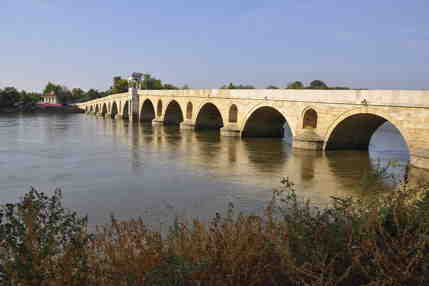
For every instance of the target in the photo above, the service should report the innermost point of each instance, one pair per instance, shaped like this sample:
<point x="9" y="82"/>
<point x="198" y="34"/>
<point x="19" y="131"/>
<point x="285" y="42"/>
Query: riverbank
<point x="41" y="108"/>
<point x="381" y="241"/>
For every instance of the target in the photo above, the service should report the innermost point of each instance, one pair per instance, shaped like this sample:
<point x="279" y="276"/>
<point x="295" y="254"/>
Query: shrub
<point x="42" y="243"/>
<point x="381" y="240"/>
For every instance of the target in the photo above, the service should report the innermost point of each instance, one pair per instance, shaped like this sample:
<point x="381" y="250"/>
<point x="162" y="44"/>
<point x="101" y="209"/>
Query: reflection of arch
<point x="159" y="108"/>
<point x="267" y="154"/>
<point x="233" y="114"/>
<point x="189" y="108"/>
<point x="173" y="113"/>
<point x="104" y="109"/>
<point x="353" y="130"/>
<point x="265" y="121"/>
<point x="114" y="109"/>
<point x="125" y="114"/>
<point x="309" y="119"/>
<point x="147" y="113"/>
<point x="209" y="117"/>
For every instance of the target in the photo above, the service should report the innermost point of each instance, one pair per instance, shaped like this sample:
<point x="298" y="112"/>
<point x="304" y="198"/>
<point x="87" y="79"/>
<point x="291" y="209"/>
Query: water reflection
<point x="128" y="168"/>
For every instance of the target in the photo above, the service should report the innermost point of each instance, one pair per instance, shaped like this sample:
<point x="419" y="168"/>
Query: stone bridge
<point x="317" y="119"/>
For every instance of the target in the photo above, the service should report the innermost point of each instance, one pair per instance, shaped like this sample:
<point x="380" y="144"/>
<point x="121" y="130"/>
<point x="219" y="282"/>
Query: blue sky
<point x="205" y="44"/>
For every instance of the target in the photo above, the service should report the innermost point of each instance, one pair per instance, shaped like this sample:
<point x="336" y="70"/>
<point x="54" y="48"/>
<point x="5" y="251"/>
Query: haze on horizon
<point x="205" y="44"/>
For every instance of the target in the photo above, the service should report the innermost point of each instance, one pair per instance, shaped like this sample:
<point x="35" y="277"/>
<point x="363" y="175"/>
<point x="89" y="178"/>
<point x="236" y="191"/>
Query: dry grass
<point x="382" y="241"/>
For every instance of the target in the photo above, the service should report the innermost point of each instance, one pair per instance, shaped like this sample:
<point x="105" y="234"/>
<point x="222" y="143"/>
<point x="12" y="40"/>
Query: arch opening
<point x="189" y="109"/>
<point x="233" y="114"/>
<point x="104" y="109"/>
<point x="147" y="113"/>
<point x="310" y="119"/>
<point x="125" y="113"/>
<point x="159" y="108"/>
<point x="114" y="110"/>
<point x="266" y="122"/>
<point x="173" y="114"/>
<point x="356" y="131"/>
<point x="209" y="117"/>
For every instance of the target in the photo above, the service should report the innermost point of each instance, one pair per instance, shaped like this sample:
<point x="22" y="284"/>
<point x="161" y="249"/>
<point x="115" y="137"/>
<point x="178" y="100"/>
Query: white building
<point x="49" y="98"/>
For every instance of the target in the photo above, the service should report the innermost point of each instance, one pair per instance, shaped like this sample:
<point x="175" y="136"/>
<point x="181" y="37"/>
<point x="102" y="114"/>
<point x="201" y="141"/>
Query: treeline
<point x="10" y="97"/>
<point x="119" y="85"/>
<point x="315" y="84"/>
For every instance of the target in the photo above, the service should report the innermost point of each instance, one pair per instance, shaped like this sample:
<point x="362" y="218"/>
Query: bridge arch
<point x="209" y="117"/>
<point x="97" y="109"/>
<point x="309" y="118"/>
<point x="125" y="109"/>
<point x="91" y="108"/>
<point x="189" y="110"/>
<point x="233" y="114"/>
<point x="104" y="109"/>
<point x="173" y="113"/>
<point x="115" y="110"/>
<point x="265" y="121"/>
<point x="147" y="112"/>
<point x="353" y="130"/>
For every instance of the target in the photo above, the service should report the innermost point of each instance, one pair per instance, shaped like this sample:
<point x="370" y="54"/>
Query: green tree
<point x="9" y="96"/>
<point x="150" y="82"/>
<point x="272" y="87"/>
<point x="120" y="85"/>
<point x="52" y="88"/>
<point x="318" y="84"/>
<point x="77" y="94"/>
<point x="169" y="86"/>
<point x="93" y="94"/>
<point x="241" y="86"/>
<point x="295" y="85"/>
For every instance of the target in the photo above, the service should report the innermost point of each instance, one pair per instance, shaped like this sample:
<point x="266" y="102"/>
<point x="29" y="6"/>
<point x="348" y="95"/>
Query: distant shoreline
<point x="42" y="108"/>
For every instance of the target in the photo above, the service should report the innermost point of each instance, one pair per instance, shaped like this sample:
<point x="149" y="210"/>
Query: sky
<point x="375" y="44"/>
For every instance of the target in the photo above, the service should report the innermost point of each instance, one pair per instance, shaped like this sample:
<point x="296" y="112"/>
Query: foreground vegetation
<point x="379" y="241"/>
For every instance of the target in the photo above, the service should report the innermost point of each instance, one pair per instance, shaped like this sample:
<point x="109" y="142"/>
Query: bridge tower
<point x="134" y="83"/>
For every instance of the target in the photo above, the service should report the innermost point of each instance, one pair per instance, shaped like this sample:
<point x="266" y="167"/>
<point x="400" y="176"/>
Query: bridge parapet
<point x="407" y="98"/>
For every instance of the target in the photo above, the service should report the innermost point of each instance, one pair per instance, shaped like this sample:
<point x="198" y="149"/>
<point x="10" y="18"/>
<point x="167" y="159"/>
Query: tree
<point x="150" y="82"/>
<point x="52" y="88"/>
<point x="272" y="87"/>
<point x="169" y="86"/>
<point x="295" y="85"/>
<point x="241" y="86"/>
<point x="77" y="94"/>
<point x="8" y="97"/>
<point x="318" y="84"/>
<point x="93" y="94"/>
<point x="120" y="85"/>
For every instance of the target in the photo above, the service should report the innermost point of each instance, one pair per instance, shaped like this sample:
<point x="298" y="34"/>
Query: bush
<point x="42" y="243"/>
<point x="381" y="240"/>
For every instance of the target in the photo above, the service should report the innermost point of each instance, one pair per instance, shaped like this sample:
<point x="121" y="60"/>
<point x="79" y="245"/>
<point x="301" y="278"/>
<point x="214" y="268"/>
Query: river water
<point x="112" y="167"/>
